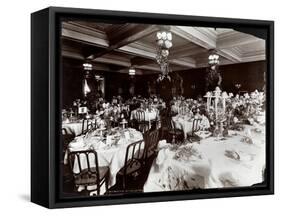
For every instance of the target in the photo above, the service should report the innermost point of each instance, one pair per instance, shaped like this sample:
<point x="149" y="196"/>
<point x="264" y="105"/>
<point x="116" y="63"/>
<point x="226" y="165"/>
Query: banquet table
<point x="73" y="128"/>
<point x="111" y="150"/>
<point x="234" y="161"/>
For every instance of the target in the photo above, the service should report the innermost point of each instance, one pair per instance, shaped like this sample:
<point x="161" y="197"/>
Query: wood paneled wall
<point x="249" y="75"/>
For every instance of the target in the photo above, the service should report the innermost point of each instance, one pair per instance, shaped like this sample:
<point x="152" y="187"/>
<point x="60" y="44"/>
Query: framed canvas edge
<point x="155" y="197"/>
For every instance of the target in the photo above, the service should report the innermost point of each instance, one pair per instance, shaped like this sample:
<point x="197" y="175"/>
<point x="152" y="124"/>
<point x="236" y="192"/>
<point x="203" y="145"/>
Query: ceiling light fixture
<point x="164" y="42"/>
<point x="132" y="71"/>
<point x="87" y="66"/>
<point x="213" y="58"/>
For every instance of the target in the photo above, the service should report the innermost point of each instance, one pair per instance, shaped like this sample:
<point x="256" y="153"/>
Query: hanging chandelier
<point x="164" y="42"/>
<point x="87" y="66"/>
<point x="132" y="71"/>
<point x="213" y="77"/>
<point x="213" y="58"/>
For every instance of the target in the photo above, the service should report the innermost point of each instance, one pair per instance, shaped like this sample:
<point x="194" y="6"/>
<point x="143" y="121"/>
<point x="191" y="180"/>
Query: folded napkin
<point x="163" y="144"/>
<point x="257" y="130"/>
<point x="162" y="156"/>
<point x="232" y="154"/>
<point x="98" y="145"/>
<point x="77" y="143"/>
<point x="247" y="140"/>
<point x="122" y="142"/>
<point x="187" y="153"/>
<point x="260" y="119"/>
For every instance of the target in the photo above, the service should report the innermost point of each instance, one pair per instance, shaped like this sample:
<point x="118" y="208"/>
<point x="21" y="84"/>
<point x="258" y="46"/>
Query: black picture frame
<point x="45" y="105"/>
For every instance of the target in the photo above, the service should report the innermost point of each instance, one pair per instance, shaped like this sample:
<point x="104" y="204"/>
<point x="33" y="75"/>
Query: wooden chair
<point x="66" y="139"/>
<point x="133" y="165"/>
<point x="192" y="137"/>
<point x="142" y="125"/>
<point x="87" y="125"/>
<point x="151" y="139"/>
<point x="163" y="118"/>
<point x="183" y="110"/>
<point x="140" y="115"/>
<point x="168" y="127"/>
<point x="89" y="175"/>
<point x="177" y="134"/>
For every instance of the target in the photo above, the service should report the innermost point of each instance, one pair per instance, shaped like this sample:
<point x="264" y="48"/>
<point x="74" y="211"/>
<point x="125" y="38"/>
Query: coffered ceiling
<point x="116" y="47"/>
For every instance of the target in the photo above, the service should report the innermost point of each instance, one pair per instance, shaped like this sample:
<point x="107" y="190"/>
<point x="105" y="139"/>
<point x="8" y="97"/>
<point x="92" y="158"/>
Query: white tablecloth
<point x="74" y="128"/>
<point x="108" y="155"/>
<point x="183" y="123"/>
<point x="210" y="166"/>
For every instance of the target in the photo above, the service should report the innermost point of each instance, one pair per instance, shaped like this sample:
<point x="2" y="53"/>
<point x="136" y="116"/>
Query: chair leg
<point x="106" y="181"/>
<point x="124" y="183"/>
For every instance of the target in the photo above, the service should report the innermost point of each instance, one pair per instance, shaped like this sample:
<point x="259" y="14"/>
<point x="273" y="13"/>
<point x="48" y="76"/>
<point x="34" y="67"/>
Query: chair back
<point x="196" y="125"/>
<point x="66" y="138"/>
<point x="172" y="125"/>
<point x="87" y="125"/>
<point x="166" y="122"/>
<point x="140" y="115"/>
<point x="183" y="110"/>
<point x="89" y="168"/>
<point x="151" y="139"/>
<point x="134" y="155"/>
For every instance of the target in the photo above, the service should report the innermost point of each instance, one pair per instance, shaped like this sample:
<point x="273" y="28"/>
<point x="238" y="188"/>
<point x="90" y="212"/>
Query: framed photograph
<point x="138" y="107"/>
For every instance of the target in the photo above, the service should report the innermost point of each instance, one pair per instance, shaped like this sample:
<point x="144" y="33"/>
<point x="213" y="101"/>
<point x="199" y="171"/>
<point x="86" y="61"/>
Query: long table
<point x="212" y="163"/>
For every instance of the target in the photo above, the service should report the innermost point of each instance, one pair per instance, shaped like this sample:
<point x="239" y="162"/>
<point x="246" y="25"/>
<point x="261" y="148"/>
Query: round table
<point x="109" y="154"/>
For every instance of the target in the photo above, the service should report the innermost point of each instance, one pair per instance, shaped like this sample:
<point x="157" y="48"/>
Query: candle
<point x="224" y="96"/>
<point x="216" y="108"/>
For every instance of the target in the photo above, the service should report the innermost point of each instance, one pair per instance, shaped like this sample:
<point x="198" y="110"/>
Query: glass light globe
<point x="165" y="52"/>
<point x="169" y="36"/>
<point x="159" y="35"/>
<point x="164" y="35"/>
<point x="160" y="42"/>
<point x="170" y="44"/>
<point x="167" y="44"/>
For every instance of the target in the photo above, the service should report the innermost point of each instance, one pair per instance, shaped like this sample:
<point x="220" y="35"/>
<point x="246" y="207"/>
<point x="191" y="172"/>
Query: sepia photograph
<point x="160" y="108"/>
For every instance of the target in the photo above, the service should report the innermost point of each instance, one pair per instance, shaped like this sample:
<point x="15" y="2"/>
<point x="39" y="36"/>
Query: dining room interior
<point x="153" y="108"/>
